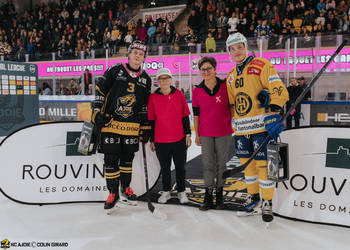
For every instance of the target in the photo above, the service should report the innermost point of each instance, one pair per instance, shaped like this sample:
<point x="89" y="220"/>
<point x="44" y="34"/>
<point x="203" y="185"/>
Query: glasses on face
<point x="206" y="69"/>
<point x="163" y="78"/>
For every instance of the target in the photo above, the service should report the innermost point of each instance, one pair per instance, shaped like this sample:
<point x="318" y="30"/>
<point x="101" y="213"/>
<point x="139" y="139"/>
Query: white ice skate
<point x="128" y="197"/>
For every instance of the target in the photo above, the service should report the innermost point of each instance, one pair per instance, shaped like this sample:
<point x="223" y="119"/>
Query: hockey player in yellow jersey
<point x="257" y="96"/>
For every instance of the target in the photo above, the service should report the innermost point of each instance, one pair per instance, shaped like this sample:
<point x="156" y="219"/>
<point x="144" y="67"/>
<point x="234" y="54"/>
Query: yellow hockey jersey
<point x="244" y="83"/>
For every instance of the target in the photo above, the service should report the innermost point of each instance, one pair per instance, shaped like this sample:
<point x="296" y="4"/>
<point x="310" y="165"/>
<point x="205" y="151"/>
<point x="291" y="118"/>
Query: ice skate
<point x="266" y="210"/>
<point x="251" y="207"/>
<point x="128" y="197"/>
<point x="182" y="197"/>
<point x="111" y="204"/>
<point x="164" y="197"/>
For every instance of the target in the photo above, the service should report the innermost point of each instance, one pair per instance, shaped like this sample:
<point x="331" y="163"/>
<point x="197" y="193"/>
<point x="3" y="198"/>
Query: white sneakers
<point x="182" y="197"/>
<point x="165" y="196"/>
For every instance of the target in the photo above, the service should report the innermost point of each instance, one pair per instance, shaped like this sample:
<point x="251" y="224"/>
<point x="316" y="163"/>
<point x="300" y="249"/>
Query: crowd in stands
<point x="69" y="26"/>
<point x="271" y="21"/>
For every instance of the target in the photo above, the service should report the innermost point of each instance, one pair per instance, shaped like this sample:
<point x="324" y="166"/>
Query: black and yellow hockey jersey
<point x="244" y="83"/>
<point x="123" y="94"/>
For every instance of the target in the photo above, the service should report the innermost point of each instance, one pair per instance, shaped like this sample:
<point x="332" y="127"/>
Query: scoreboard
<point x="19" y="99"/>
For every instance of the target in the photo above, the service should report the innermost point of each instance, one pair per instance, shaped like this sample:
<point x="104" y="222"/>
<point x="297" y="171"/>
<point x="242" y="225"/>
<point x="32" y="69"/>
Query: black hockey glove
<point x="100" y="119"/>
<point x="145" y="133"/>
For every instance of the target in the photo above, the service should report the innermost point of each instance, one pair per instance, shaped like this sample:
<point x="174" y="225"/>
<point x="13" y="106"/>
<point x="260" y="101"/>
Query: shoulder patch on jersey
<point x="257" y="62"/>
<point x="253" y="71"/>
<point x="274" y="78"/>
<point x="229" y="79"/>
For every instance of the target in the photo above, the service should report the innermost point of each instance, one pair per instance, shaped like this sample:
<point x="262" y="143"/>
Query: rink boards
<point x="41" y="165"/>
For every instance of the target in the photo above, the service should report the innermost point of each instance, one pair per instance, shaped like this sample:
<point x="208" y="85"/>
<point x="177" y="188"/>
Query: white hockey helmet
<point x="234" y="39"/>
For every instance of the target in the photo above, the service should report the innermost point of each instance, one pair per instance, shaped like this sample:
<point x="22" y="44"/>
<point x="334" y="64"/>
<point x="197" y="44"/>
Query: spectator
<point x="310" y="18"/>
<point x="221" y="22"/>
<point x="344" y="25"/>
<point x="330" y="5"/>
<point x="47" y="90"/>
<point x="321" y="6"/>
<point x="176" y="43"/>
<point x="262" y="33"/>
<point x="210" y="43"/>
<point x="267" y="13"/>
<point x="211" y="7"/>
<point x="169" y="31"/>
<point x="132" y="28"/>
<point x="303" y="84"/>
<point x="193" y="20"/>
<point x="212" y="24"/>
<point x="86" y="79"/>
<point x="115" y="37"/>
<point x="128" y="39"/>
<point x="232" y="23"/>
<point x="151" y="33"/>
<point x="242" y="23"/>
<point x="142" y="32"/>
<point x="294" y="91"/>
<point x="159" y="33"/>
<point x="220" y="39"/>
<point x="63" y="89"/>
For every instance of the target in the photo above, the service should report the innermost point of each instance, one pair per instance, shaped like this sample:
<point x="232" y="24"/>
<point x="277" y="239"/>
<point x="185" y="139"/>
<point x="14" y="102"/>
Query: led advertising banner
<point x="318" y="189"/>
<point x="330" y="114"/>
<point x="40" y="164"/>
<point x="19" y="100"/>
<point x="306" y="61"/>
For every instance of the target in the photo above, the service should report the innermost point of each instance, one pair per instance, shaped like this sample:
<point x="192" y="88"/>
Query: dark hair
<point x="207" y="59"/>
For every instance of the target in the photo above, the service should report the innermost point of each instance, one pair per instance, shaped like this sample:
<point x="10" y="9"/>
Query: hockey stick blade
<point x="237" y="169"/>
<point x="158" y="214"/>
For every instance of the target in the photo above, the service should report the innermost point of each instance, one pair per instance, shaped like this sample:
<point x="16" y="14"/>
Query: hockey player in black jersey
<point x="120" y="109"/>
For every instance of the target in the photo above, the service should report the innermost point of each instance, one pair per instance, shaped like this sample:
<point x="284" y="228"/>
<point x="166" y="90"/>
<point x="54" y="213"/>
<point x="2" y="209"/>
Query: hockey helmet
<point x="234" y="39"/>
<point x="137" y="44"/>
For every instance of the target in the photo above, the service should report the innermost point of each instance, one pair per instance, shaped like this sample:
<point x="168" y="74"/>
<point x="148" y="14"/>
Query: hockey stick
<point x="238" y="169"/>
<point x="151" y="208"/>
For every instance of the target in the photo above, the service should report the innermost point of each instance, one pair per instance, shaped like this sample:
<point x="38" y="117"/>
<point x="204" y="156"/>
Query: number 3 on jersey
<point x="239" y="83"/>
<point x="131" y="88"/>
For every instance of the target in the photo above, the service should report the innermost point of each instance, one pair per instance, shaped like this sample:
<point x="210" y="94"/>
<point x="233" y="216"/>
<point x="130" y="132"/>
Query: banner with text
<point x="44" y="166"/>
<point x="319" y="165"/>
<point x="306" y="61"/>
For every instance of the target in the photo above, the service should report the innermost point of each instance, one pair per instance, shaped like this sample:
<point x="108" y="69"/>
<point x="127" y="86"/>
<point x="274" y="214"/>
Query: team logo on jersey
<point x="277" y="91"/>
<point x="253" y="71"/>
<point x="258" y="63"/>
<point x="243" y="104"/>
<point x="125" y="105"/>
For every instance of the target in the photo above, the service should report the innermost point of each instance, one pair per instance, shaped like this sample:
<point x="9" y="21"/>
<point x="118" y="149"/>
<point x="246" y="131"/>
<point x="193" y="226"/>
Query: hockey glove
<point x="273" y="125"/>
<point x="264" y="98"/>
<point x="145" y="133"/>
<point x="100" y="119"/>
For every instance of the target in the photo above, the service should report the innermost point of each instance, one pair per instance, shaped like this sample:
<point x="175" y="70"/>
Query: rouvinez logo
<point x="338" y="153"/>
<point x="72" y="143"/>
